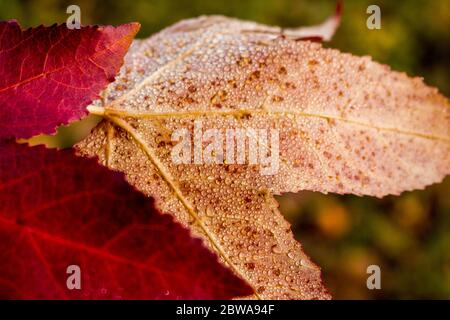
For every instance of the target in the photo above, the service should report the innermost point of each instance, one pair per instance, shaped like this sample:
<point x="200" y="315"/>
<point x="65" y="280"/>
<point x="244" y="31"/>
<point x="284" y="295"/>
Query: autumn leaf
<point x="346" y="124"/>
<point x="48" y="75"/>
<point x="58" y="210"/>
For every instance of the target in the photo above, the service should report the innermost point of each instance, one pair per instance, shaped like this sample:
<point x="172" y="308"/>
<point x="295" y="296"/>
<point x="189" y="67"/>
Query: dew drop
<point x="304" y="263"/>
<point x="276" y="249"/>
<point x="209" y="211"/>
<point x="291" y="254"/>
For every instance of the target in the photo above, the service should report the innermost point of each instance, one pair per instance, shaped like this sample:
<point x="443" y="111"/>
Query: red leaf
<point x="48" y="75"/>
<point x="58" y="210"/>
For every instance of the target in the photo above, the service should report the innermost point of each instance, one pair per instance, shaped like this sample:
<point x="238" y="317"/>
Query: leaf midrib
<point x="166" y="176"/>
<point x="107" y="112"/>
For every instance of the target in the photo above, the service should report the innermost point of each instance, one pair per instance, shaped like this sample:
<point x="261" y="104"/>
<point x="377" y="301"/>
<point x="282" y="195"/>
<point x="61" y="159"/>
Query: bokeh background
<point x="407" y="236"/>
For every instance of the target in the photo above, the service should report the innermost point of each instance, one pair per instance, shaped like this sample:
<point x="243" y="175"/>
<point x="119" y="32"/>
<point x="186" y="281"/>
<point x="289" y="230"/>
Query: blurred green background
<point x="407" y="236"/>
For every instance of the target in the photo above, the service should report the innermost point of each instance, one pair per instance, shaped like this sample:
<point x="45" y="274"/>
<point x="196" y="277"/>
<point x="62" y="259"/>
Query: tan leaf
<point x="346" y="124"/>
